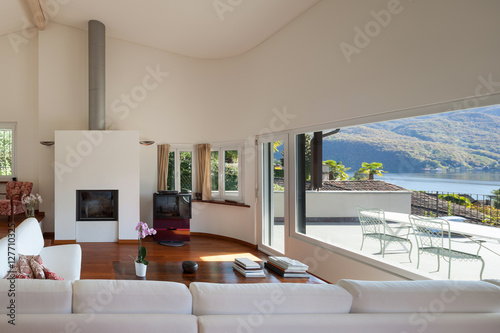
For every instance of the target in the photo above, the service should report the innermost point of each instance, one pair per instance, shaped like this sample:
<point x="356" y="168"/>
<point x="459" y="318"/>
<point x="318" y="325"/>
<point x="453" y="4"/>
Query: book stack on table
<point x="287" y="267"/>
<point x="248" y="268"/>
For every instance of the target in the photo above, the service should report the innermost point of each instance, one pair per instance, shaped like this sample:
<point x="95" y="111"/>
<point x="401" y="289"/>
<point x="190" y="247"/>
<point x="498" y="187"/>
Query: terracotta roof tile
<point x="360" y="185"/>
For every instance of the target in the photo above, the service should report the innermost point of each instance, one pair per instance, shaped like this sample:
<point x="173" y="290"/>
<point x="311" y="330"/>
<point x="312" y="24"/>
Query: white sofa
<point x="64" y="260"/>
<point x="89" y="306"/>
<point x="350" y="306"/>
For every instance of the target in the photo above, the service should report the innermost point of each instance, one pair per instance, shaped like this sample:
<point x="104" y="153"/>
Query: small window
<point x="7" y="138"/>
<point x="231" y="179"/>
<point x="214" y="170"/>
<point x="180" y="169"/>
<point x="186" y="171"/>
<point x="171" y="171"/>
<point x="226" y="170"/>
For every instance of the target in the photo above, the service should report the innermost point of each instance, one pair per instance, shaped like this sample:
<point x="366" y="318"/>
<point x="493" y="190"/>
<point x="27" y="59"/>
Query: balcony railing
<point x="474" y="208"/>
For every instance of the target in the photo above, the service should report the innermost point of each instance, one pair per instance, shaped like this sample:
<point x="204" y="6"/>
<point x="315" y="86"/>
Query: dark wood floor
<point x="214" y="256"/>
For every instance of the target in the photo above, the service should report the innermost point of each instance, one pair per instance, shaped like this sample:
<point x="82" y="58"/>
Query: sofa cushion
<point x="35" y="296"/>
<point x="36" y="264"/>
<point x="276" y="298"/>
<point x="4" y="257"/>
<point x="24" y="264"/>
<point x="352" y="323"/>
<point x="29" y="237"/>
<point x="130" y="296"/>
<point x="14" y="273"/>
<point x="422" y="296"/>
<point x="64" y="260"/>
<point x="106" y="323"/>
<point x="49" y="275"/>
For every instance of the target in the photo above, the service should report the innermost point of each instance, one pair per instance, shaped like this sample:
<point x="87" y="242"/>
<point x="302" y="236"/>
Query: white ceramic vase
<point x="140" y="269"/>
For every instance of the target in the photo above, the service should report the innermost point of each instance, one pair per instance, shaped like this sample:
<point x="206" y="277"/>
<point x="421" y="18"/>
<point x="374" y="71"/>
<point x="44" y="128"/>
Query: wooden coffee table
<point x="208" y="271"/>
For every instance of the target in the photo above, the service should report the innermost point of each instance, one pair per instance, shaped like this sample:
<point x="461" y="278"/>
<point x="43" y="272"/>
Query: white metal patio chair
<point x="433" y="236"/>
<point x="373" y="225"/>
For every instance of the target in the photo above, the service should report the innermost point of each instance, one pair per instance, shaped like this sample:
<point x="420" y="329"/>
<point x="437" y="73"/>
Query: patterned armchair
<point x="12" y="204"/>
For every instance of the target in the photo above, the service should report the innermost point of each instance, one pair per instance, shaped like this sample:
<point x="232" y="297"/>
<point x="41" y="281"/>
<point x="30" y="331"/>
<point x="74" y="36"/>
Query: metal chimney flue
<point x="97" y="77"/>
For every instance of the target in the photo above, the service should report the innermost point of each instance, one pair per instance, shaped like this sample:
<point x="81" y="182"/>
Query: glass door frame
<point x="270" y="138"/>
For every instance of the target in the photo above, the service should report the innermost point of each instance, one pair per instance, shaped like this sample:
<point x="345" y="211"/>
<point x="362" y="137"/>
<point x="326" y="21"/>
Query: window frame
<point x="12" y="126"/>
<point x="221" y="148"/>
<point x="310" y="245"/>
<point x="177" y="149"/>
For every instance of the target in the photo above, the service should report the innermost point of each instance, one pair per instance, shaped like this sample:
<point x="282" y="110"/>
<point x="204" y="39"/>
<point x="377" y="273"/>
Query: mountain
<point x="460" y="139"/>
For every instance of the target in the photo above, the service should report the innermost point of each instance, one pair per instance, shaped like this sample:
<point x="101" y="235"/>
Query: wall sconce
<point x="47" y="143"/>
<point x="146" y="143"/>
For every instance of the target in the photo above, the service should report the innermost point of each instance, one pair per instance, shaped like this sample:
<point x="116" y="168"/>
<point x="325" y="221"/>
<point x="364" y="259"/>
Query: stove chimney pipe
<point x="97" y="77"/>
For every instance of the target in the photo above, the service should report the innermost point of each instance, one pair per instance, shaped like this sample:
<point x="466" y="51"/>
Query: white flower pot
<point x="140" y="269"/>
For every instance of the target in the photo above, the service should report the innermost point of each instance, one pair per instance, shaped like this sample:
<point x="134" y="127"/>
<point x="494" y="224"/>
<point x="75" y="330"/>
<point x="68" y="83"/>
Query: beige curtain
<point x="204" y="175"/>
<point x="163" y="151"/>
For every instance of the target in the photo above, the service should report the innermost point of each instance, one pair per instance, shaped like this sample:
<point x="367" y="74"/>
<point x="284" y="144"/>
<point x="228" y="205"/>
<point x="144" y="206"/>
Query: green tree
<point x="374" y="168"/>
<point x="231" y="170"/>
<point x="171" y="172"/>
<point x="496" y="200"/>
<point x="214" y="170"/>
<point x="337" y="170"/>
<point x="5" y="152"/>
<point x="456" y="199"/>
<point x="359" y="176"/>
<point x="308" y="153"/>
<point x="186" y="171"/>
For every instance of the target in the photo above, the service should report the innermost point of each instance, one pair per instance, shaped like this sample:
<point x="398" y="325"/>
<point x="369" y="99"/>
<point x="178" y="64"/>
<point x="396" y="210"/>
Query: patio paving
<point x="348" y="235"/>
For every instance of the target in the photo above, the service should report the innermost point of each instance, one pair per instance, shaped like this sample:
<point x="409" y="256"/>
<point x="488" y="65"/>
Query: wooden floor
<point x="214" y="256"/>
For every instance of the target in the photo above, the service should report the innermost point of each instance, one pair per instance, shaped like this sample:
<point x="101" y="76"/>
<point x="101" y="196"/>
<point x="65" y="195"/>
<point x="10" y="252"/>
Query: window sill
<point x="237" y="204"/>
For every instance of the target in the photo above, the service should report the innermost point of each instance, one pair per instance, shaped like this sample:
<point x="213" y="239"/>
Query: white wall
<point x="344" y="203"/>
<point x="19" y="103"/>
<point x="430" y="52"/>
<point x="62" y="99"/>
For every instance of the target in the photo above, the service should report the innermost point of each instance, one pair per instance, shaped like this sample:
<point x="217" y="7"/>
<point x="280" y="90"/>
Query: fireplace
<point x="96" y="205"/>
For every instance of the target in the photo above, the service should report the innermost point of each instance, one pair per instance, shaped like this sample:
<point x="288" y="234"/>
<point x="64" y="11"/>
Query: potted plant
<point x="140" y="262"/>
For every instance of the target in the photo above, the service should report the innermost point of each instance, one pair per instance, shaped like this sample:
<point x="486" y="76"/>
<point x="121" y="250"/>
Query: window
<point x="226" y="171"/>
<point x="7" y="151"/>
<point x="180" y="169"/>
<point x="437" y="165"/>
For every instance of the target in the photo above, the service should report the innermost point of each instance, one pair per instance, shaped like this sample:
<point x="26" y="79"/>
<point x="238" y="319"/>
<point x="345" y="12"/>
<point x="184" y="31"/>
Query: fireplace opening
<point x="96" y="205"/>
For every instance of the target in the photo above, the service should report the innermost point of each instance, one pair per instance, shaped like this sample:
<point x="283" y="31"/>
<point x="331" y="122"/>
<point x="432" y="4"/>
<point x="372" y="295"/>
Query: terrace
<point x="338" y="225"/>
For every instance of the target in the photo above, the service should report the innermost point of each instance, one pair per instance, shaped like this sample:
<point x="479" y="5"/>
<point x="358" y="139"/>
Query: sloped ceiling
<point x="207" y="29"/>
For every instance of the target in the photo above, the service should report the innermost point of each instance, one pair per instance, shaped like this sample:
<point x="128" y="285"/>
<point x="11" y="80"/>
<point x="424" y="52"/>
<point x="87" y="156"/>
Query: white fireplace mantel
<point x="96" y="160"/>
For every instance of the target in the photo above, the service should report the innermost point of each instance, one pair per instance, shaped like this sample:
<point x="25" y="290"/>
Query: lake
<point x="460" y="182"/>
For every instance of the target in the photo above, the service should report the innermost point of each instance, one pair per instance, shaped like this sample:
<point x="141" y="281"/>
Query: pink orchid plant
<point x="143" y="231"/>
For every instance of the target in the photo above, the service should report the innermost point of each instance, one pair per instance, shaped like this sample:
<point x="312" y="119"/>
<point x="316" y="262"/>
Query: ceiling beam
<point x="37" y="13"/>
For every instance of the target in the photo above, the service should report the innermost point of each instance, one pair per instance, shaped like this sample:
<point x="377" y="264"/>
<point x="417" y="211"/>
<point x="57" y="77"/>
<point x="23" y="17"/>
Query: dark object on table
<point x="189" y="266"/>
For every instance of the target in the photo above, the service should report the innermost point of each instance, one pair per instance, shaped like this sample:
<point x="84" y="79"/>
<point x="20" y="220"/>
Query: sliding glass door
<point x="273" y="192"/>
